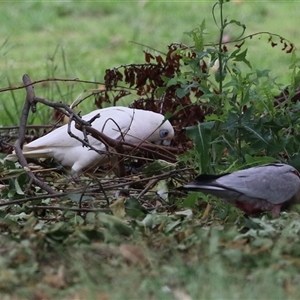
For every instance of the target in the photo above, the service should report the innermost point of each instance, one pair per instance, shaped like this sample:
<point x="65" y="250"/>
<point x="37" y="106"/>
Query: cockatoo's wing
<point x="119" y="123"/>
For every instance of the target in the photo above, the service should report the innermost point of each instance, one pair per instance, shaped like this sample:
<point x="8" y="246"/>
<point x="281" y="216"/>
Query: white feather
<point x="132" y="125"/>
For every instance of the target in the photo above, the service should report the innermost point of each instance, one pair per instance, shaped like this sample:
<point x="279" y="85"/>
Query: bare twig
<point x="29" y="103"/>
<point x="106" y="186"/>
<point x="35" y="207"/>
<point x="6" y="128"/>
<point x="148" y="186"/>
<point x="48" y="80"/>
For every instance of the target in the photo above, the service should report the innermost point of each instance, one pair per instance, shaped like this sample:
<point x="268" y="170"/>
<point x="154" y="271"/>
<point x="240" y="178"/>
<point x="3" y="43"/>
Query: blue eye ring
<point x="163" y="133"/>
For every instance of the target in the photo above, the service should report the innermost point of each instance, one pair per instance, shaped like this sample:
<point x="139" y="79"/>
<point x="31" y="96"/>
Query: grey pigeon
<point x="269" y="187"/>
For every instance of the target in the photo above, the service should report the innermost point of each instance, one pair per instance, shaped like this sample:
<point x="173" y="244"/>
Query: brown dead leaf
<point x="207" y="211"/>
<point x="81" y="295"/>
<point x="40" y="295"/>
<point x="237" y="244"/>
<point x="101" y="87"/>
<point x="289" y="287"/>
<point x="56" y="280"/>
<point x="133" y="255"/>
<point x="294" y="260"/>
<point x="181" y="295"/>
<point x="182" y="235"/>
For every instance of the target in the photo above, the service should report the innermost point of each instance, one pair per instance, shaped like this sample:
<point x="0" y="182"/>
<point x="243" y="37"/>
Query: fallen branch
<point x="29" y="103"/>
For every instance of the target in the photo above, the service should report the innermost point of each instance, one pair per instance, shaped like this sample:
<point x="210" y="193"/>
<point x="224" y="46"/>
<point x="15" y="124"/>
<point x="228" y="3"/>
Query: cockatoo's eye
<point x="163" y="133"/>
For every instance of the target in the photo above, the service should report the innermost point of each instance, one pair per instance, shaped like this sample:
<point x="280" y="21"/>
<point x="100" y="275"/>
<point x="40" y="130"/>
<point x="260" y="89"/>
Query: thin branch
<point x="47" y="80"/>
<point x="29" y="103"/>
<point x="106" y="186"/>
<point x="35" y="207"/>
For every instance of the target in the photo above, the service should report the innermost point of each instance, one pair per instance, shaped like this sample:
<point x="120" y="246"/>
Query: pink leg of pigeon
<point x="251" y="209"/>
<point x="270" y="187"/>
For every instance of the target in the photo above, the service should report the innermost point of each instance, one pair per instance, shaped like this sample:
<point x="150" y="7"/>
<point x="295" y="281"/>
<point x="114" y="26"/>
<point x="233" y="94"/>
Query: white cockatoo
<point x="263" y="188"/>
<point x="119" y="123"/>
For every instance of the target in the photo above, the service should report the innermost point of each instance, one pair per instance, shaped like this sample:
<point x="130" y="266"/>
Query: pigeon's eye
<point x="163" y="133"/>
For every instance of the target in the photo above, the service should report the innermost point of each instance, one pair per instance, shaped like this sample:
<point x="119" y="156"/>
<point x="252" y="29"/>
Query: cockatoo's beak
<point x="165" y="142"/>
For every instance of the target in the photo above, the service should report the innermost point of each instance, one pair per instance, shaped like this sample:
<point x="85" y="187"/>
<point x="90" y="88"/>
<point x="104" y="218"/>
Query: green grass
<point x="82" y="39"/>
<point x="170" y="255"/>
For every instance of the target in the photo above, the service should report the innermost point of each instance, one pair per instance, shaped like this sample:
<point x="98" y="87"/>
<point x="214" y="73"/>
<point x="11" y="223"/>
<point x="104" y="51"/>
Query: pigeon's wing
<point x="208" y="184"/>
<point x="275" y="183"/>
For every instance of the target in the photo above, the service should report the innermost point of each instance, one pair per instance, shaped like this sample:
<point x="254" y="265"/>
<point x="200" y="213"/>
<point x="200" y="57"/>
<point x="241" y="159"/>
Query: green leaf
<point x="241" y="57"/>
<point x="115" y="225"/>
<point x="77" y="197"/>
<point x="118" y="208"/>
<point x="181" y="92"/>
<point x="239" y="24"/>
<point x="220" y="76"/>
<point x="18" y="188"/>
<point x="158" y="167"/>
<point x="134" y="209"/>
<point x="197" y="36"/>
<point x="201" y="135"/>
<point x="258" y="160"/>
<point x="191" y="200"/>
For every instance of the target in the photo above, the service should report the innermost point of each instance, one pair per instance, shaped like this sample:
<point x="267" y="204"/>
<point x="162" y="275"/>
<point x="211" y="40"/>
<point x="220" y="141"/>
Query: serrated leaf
<point x="242" y="58"/>
<point x="181" y="92"/>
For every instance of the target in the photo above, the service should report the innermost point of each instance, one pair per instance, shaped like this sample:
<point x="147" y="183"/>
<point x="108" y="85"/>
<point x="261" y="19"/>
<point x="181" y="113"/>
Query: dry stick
<point x="48" y="80"/>
<point x="121" y="146"/>
<point x="151" y="148"/>
<point x="35" y="198"/>
<point x="161" y="176"/>
<point x="109" y="142"/>
<point x="70" y="208"/>
<point x="105" y="139"/>
<point x="94" y="190"/>
<point x="28" y="127"/>
<point x="29" y="103"/>
<point x="148" y="186"/>
<point x="86" y="187"/>
<point x="59" y="105"/>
